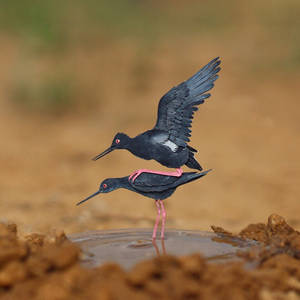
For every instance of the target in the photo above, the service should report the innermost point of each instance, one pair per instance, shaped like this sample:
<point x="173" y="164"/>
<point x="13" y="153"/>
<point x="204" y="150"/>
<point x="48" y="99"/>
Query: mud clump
<point x="276" y="237"/>
<point x="48" y="267"/>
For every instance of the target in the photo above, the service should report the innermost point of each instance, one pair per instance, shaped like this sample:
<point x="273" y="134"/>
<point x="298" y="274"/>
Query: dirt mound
<point x="48" y="267"/>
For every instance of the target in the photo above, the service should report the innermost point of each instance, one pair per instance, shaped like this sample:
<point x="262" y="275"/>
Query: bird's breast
<point x="141" y="147"/>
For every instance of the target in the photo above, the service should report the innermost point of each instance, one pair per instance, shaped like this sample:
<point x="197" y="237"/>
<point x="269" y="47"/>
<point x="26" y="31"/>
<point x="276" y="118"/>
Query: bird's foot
<point x="135" y="174"/>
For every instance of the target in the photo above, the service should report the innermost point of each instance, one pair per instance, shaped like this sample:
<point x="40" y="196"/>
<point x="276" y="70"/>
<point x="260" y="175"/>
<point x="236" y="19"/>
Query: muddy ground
<point x="40" y="266"/>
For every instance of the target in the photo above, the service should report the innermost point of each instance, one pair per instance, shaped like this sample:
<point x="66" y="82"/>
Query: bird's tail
<point x="192" y="162"/>
<point x="191" y="176"/>
<point x="191" y="148"/>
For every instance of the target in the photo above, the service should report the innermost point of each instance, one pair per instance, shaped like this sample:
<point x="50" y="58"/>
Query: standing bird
<point x="155" y="186"/>
<point x="167" y="141"/>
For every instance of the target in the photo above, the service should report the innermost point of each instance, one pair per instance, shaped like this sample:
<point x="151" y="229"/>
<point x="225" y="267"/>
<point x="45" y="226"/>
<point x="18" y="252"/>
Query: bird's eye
<point x="105" y="185"/>
<point x="117" y="141"/>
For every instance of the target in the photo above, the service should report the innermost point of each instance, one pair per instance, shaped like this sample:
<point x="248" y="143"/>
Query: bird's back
<point x="149" y="182"/>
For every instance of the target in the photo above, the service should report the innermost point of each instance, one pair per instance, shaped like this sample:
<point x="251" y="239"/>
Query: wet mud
<point x="40" y="266"/>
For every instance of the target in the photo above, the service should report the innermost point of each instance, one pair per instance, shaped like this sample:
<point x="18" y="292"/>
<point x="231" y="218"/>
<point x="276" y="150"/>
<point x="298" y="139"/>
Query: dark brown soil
<point x="48" y="267"/>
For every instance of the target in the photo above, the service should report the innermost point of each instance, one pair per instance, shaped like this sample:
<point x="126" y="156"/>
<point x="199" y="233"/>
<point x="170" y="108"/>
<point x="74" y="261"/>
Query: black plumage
<point x="167" y="141"/>
<point x="155" y="186"/>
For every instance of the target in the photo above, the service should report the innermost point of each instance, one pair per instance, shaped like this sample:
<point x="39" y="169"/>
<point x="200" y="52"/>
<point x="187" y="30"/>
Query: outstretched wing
<point x="176" y="108"/>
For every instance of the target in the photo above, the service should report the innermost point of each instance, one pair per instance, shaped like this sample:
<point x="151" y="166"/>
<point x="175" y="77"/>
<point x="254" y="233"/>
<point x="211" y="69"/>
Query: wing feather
<point x="176" y="108"/>
<point x="149" y="182"/>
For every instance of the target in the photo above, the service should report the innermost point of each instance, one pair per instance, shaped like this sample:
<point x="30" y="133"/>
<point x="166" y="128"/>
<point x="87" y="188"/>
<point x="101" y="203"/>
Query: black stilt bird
<point x="155" y="186"/>
<point x="167" y="141"/>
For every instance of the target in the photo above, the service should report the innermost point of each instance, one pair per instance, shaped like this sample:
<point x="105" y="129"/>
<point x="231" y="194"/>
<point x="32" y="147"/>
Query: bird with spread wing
<point x="167" y="142"/>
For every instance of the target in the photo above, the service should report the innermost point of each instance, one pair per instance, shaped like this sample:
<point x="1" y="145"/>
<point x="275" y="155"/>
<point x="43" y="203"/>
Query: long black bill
<point x="103" y="153"/>
<point x="89" y="197"/>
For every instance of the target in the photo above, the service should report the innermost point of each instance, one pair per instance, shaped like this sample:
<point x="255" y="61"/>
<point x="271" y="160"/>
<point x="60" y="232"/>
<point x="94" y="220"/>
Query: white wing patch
<point x="171" y="145"/>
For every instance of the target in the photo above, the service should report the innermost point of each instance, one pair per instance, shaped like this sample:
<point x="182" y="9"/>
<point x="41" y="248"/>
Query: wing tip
<point x="217" y="58"/>
<point x="206" y="73"/>
<point x="205" y="172"/>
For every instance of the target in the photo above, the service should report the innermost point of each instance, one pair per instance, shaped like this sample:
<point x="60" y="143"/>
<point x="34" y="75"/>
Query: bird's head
<point x="120" y="141"/>
<point x="106" y="186"/>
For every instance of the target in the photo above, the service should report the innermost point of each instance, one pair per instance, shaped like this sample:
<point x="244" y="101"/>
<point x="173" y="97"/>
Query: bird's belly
<point x="159" y="195"/>
<point x="171" y="159"/>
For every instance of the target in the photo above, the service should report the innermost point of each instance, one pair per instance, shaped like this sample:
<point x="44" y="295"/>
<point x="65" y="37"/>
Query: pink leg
<point x="163" y="222"/>
<point x="157" y="221"/>
<point x="155" y="247"/>
<point x="135" y="174"/>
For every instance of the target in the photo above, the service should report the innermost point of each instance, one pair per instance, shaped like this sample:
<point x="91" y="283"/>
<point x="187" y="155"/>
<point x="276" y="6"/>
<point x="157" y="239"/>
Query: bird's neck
<point x="123" y="182"/>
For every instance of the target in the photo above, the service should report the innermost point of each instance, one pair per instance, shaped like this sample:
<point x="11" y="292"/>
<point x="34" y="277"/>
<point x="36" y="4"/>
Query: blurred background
<point x="74" y="73"/>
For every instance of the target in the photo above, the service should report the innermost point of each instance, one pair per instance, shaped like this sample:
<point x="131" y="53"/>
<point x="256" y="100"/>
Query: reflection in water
<point x="157" y="248"/>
